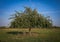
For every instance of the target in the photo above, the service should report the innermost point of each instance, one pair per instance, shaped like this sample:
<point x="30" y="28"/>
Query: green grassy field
<point x="22" y="35"/>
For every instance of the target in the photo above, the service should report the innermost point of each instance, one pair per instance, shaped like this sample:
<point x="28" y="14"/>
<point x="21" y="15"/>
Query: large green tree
<point x="30" y="19"/>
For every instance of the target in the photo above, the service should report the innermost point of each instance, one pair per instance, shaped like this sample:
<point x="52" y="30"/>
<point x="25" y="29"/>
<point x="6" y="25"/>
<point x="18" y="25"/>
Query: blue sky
<point x="45" y="7"/>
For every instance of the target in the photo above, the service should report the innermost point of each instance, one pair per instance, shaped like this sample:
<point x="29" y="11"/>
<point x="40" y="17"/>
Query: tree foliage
<point x="29" y="19"/>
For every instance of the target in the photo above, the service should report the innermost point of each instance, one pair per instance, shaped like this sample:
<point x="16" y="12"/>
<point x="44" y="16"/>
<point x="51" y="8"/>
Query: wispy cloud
<point x="50" y="12"/>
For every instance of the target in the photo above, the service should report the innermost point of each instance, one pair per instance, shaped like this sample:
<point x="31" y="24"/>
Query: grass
<point x="37" y="35"/>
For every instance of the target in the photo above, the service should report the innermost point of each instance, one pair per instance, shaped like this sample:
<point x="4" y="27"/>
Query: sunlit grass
<point x="39" y="35"/>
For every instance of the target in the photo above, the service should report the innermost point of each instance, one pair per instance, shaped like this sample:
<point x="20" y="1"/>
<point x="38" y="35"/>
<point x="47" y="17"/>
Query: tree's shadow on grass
<point x="33" y="34"/>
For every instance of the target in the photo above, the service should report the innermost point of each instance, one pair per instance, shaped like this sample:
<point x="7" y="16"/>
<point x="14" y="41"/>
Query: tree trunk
<point x="30" y="31"/>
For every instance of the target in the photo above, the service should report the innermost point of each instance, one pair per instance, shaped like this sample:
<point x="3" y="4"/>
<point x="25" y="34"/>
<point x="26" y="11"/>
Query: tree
<point x="29" y="19"/>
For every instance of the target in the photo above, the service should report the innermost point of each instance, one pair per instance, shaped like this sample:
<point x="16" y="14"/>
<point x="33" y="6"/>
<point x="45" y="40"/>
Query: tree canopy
<point x="29" y="19"/>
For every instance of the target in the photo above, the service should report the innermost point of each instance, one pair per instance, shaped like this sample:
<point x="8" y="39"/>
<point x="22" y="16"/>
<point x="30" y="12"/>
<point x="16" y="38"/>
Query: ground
<point x="23" y="35"/>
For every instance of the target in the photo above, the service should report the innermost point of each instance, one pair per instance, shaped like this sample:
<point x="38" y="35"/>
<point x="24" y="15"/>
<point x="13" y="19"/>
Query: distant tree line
<point x="55" y="26"/>
<point x="3" y="27"/>
<point x="30" y="18"/>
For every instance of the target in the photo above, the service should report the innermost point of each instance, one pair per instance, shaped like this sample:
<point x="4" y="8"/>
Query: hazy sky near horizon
<point x="46" y="7"/>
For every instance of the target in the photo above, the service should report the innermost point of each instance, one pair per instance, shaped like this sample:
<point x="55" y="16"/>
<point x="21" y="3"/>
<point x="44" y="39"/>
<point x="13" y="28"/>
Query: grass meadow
<point x="37" y="35"/>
